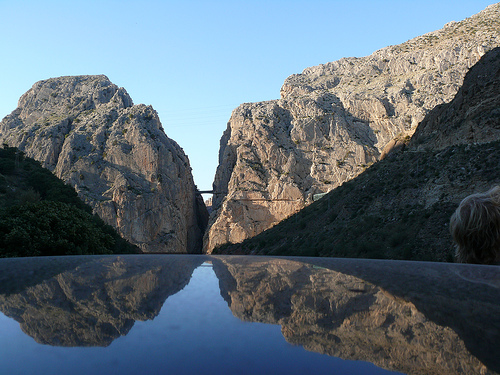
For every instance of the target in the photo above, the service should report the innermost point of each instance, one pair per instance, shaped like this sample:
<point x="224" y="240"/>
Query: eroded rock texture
<point x="400" y="208"/>
<point x="115" y="154"/>
<point x="473" y="116"/>
<point x="332" y="121"/>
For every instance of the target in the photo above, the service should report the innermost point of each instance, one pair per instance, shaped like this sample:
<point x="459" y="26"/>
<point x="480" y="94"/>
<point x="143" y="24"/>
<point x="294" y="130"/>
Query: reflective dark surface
<point x="215" y="314"/>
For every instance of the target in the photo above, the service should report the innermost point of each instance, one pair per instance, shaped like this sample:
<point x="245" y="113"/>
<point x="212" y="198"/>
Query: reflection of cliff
<point x="97" y="301"/>
<point x="342" y="315"/>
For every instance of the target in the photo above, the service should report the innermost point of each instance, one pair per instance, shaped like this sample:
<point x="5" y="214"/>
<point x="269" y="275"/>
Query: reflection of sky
<point x="195" y="333"/>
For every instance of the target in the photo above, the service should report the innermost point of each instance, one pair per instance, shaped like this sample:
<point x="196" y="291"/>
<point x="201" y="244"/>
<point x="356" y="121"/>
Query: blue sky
<point x="195" y="61"/>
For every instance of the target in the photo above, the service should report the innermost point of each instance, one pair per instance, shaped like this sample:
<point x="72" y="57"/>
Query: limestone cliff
<point x="400" y="207"/>
<point x="115" y="154"/>
<point x="472" y="117"/>
<point x="382" y="312"/>
<point x="334" y="120"/>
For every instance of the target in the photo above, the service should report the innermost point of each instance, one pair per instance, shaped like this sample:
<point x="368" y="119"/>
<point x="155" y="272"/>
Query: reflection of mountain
<point x="95" y="301"/>
<point x="342" y="315"/>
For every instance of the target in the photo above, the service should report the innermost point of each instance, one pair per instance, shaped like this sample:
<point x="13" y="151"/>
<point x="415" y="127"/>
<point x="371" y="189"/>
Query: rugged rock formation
<point x="473" y="116"/>
<point x="332" y="121"/>
<point x="382" y="312"/>
<point x="400" y="207"/>
<point x="88" y="132"/>
<point x="95" y="302"/>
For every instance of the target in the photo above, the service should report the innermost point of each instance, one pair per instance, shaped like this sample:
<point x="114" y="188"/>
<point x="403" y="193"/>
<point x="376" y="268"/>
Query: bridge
<point x="208" y="192"/>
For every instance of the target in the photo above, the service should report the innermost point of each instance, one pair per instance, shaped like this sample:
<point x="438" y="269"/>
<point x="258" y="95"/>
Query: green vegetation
<point x="399" y="208"/>
<point x="41" y="215"/>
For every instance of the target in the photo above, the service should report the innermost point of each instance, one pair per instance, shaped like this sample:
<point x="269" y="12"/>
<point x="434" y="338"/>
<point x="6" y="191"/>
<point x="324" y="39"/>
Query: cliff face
<point x="115" y="154"/>
<point x="400" y="207"/>
<point x="332" y="121"/>
<point x="474" y="114"/>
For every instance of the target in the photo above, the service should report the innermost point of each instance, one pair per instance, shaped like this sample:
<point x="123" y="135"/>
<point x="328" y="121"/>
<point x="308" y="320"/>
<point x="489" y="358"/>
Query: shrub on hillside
<point x="41" y="215"/>
<point x="51" y="228"/>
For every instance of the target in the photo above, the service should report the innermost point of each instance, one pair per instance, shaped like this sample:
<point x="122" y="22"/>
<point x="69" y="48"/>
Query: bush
<point x="51" y="228"/>
<point x="41" y="215"/>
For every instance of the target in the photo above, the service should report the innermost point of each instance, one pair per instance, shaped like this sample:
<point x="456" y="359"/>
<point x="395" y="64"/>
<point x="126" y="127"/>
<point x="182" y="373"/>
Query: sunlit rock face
<point x="332" y="121"/>
<point x="473" y="116"/>
<point x="387" y="315"/>
<point x="453" y="153"/>
<point x="95" y="300"/>
<point x="115" y="154"/>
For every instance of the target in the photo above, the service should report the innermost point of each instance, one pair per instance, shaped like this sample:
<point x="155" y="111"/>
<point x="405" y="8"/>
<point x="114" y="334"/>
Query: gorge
<point x="332" y="123"/>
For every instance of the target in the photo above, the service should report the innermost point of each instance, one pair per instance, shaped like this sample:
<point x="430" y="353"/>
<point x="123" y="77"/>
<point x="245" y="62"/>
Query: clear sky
<point x="195" y="61"/>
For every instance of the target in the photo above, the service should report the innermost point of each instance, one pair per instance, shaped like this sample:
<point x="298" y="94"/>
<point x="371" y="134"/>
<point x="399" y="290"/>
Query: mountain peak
<point x="115" y="154"/>
<point x="334" y="120"/>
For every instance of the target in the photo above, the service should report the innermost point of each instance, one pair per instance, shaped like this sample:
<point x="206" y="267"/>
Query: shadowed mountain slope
<point x="399" y="208"/>
<point x="41" y="215"/>
<point x="333" y="121"/>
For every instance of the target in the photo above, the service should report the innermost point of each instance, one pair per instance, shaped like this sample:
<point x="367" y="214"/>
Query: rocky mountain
<point x="89" y="301"/>
<point x="473" y="117"/>
<point x="400" y="207"/>
<point x="116" y="155"/>
<point x="372" y="311"/>
<point x="333" y="121"/>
